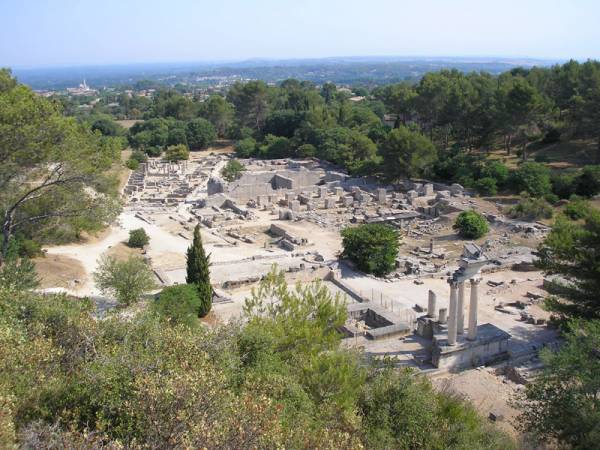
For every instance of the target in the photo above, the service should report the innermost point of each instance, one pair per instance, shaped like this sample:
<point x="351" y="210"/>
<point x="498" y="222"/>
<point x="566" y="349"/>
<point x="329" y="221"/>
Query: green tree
<point x="571" y="250"/>
<point x="54" y="171"/>
<point x="177" y="153"/>
<point x="219" y="112"/>
<point x="245" y="148"/>
<point x="372" y="247"/>
<point x="125" y="280"/>
<point x="200" y="134"/>
<point x="138" y="238"/>
<point x="251" y="103"/>
<point x="178" y="304"/>
<point x="407" y="153"/>
<point x="471" y="225"/>
<point x="232" y="170"/>
<point x="198" y="263"/>
<point x="533" y="178"/>
<point x="563" y="403"/>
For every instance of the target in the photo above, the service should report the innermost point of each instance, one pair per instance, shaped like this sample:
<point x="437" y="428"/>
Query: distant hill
<point x="344" y="70"/>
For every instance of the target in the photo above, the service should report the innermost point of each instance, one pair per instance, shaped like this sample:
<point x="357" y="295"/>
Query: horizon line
<point x="225" y="61"/>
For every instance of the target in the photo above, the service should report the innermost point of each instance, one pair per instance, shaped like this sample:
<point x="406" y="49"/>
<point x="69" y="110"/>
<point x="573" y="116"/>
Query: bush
<point x="531" y="209"/>
<point x="372" y="247"/>
<point x="533" y="178"/>
<point x="139" y="156"/>
<point x="588" y="183"/>
<point x="232" y="170"/>
<point x="154" y="151"/>
<point x="577" y="209"/>
<point x="138" y="238"/>
<point x="565" y="185"/>
<point x="486" y="186"/>
<point x="471" y="225"/>
<point x="497" y="171"/>
<point x="245" y="148"/>
<point x="178" y="304"/>
<point x="178" y="152"/>
<point x="125" y="280"/>
<point x="132" y="164"/>
<point x="307" y="150"/>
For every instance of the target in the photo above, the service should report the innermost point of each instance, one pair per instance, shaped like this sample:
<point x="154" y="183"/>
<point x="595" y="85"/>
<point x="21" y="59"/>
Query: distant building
<point x="82" y="89"/>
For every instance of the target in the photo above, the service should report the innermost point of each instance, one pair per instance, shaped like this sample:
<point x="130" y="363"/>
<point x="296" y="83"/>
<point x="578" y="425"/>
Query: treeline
<point x="441" y="127"/>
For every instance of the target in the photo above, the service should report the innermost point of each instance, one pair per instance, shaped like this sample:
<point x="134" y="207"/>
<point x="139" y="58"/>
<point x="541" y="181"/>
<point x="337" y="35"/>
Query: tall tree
<point x="198" y="274"/>
<point x="219" y="112"/>
<point x="407" y="153"/>
<point x="251" y="103"/>
<point x="572" y="249"/>
<point x="53" y="171"/>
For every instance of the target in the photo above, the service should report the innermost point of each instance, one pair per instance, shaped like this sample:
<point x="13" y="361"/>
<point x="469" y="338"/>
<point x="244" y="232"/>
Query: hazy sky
<point x="73" y="32"/>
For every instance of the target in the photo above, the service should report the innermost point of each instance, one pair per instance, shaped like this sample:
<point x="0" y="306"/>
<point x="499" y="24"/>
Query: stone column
<point x="431" y="305"/>
<point x="452" y="312"/>
<point x="443" y="317"/>
<point x="473" y="309"/>
<point x="460" y="309"/>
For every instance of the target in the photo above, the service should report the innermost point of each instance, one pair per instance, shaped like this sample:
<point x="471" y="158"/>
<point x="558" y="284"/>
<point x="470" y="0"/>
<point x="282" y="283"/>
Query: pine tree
<point x="198" y="274"/>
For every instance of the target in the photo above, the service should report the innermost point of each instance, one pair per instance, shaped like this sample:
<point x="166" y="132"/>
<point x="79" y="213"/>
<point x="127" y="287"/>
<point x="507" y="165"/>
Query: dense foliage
<point x="563" y="403"/>
<point x="471" y="225"/>
<point x="372" y="247"/>
<point x="281" y="380"/>
<point x="571" y="250"/>
<point x="178" y="304"/>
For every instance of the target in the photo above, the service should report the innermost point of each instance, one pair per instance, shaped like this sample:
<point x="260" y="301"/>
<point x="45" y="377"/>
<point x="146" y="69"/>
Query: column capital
<point x="475" y="280"/>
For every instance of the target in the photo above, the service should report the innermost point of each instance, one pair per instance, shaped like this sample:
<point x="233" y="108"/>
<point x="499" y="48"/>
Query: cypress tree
<point x="198" y="273"/>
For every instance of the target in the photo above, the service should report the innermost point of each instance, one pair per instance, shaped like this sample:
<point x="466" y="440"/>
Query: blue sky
<point x="71" y="32"/>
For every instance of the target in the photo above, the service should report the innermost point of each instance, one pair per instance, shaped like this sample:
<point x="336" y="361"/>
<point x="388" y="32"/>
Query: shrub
<point x="139" y="156"/>
<point x="471" y="225"/>
<point x="307" y="150"/>
<point x="531" y="209"/>
<point x="533" y="178"/>
<point x="125" y="280"/>
<point x="245" y="148"/>
<point x="486" y="186"/>
<point x="153" y="151"/>
<point x="178" y="304"/>
<point x="565" y="185"/>
<point x="178" y="152"/>
<point x="577" y="209"/>
<point x="497" y="171"/>
<point x="138" y="238"/>
<point x="232" y="170"/>
<point x="132" y="164"/>
<point x="372" y="247"/>
<point x="588" y="183"/>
